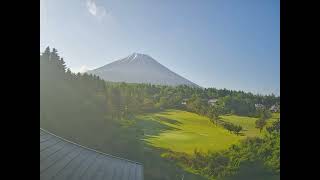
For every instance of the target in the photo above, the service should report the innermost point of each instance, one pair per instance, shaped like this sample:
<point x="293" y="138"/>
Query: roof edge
<point x="116" y="157"/>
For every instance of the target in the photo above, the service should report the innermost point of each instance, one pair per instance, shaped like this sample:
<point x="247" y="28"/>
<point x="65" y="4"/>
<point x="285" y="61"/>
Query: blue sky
<point x="215" y="43"/>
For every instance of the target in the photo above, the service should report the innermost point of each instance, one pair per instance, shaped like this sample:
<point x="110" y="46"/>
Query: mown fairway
<point x="183" y="131"/>
<point x="275" y="116"/>
<point x="248" y="123"/>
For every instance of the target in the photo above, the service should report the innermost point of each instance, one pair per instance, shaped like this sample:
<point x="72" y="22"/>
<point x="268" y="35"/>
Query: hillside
<point x="140" y="68"/>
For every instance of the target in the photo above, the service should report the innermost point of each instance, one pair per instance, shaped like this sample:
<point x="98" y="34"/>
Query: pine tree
<point x="46" y="54"/>
<point x="62" y="65"/>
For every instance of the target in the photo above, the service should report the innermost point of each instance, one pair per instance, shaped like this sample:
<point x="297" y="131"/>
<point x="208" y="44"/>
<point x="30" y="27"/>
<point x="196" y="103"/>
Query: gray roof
<point x="62" y="159"/>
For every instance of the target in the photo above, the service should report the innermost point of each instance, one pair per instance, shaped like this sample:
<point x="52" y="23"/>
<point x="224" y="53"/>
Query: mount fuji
<point x="140" y="68"/>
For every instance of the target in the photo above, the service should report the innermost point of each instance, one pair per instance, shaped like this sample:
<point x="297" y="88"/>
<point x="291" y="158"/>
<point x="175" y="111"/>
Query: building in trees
<point x="275" y="108"/>
<point x="259" y="106"/>
<point x="212" y="101"/>
<point x="184" y="101"/>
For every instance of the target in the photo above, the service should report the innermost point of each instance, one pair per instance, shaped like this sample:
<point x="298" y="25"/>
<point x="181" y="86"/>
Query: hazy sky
<point x="233" y="44"/>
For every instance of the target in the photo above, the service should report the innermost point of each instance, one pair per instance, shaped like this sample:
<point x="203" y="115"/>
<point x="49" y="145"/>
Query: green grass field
<point x="275" y="116"/>
<point x="183" y="131"/>
<point x="248" y="123"/>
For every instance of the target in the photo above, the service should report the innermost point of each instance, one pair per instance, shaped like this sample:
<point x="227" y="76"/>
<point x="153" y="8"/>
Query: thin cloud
<point x="96" y="10"/>
<point x="82" y="69"/>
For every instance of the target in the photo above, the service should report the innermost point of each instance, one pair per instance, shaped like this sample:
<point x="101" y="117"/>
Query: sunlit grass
<point x="183" y="131"/>
<point x="248" y="123"/>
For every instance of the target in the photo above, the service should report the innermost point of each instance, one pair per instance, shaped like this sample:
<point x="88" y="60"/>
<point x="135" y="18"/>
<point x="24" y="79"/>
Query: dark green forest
<point x="87" y="110"/>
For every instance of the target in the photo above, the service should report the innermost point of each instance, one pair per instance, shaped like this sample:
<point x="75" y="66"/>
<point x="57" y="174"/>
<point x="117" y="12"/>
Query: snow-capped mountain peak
<point x="140" y="68"/>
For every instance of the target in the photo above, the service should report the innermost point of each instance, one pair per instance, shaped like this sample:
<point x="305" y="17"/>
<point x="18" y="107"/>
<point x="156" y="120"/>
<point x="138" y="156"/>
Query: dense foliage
<point x="262" y="121"/>
<point x="128" y="99"/>
<point x="137" y="98"/>
<point x="232" y="128"/>
<point x="68" y="100"/>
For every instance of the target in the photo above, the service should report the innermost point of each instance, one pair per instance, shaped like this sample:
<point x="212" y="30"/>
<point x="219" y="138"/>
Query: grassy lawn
<point x="275" y="116"/>
<point x="248" y="123"/>
<point x="182" y="131"/>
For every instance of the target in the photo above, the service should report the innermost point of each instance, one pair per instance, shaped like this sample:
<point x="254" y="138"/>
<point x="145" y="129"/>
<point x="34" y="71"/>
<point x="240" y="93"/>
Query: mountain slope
<point x="140" y="68"/>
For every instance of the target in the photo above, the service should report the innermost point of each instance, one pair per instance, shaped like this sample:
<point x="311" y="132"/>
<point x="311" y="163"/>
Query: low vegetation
<point x="232" y="128"/>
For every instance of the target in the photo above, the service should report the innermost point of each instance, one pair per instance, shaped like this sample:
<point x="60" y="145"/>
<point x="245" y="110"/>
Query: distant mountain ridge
<point x="140" y="68"/>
